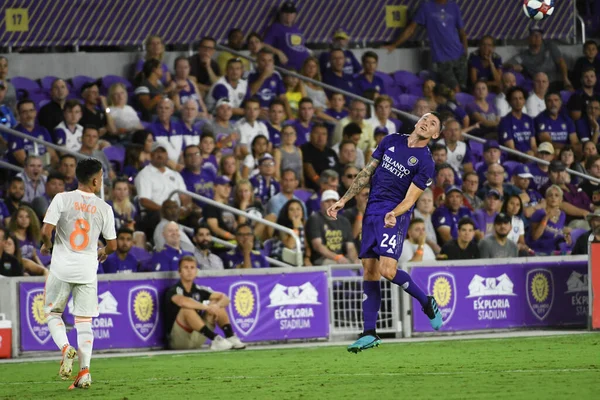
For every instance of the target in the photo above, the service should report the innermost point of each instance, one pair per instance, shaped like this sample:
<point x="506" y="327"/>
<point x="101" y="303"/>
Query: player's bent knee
<point x="388" y="269"/>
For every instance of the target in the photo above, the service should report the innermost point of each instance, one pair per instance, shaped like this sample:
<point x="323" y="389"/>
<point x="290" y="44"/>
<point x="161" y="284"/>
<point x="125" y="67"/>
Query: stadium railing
<point x="6" y="165"/>
<point x="404" y="114"/>
<point x="246" y="215"/>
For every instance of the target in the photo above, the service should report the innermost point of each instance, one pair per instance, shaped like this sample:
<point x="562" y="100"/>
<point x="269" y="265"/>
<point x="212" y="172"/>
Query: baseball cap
<point x="288" y="7"/>
<point x="491" y="144"/>
<point x="340" y="34"/>
<point x="557" y="166"/>
<point x="330" y="195"/>
<point x="494" y="192"/>
<point x="522" y="171"/>
<point x="223" y="100"/>
<point x="453" y="188"/>
<point x="222" y="180"/>
<point x="502" y="218"/>
<point x="265" y="157"/>
<point x="156" y="146"/>
<point x="546" y="147"/>
<point x="381" y="130"/>
<point x="536" y="28"/>
<point x="595" y="214"/>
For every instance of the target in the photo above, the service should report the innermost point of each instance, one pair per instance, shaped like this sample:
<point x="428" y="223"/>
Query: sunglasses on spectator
<point x="351" y="176"/>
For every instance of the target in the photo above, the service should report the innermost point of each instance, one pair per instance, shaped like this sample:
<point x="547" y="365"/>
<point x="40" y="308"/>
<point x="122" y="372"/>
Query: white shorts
<point x="85" y="297"/>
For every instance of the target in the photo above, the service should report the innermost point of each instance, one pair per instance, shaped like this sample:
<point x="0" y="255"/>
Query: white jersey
<point x="249" y="132"/>
<point x="80" y="218"/>
<point x="235" y="95"/>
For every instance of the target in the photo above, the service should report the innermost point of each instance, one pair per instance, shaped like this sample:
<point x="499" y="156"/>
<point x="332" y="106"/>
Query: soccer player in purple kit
<point x="400" y="170"/>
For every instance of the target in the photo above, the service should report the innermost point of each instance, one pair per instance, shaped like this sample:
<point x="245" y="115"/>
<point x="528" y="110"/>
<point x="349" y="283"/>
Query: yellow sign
<point x="17" y="19"/>
<point x="395" y="16"/>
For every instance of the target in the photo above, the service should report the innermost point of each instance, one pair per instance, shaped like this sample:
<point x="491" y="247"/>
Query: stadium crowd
<point x="284" y="150"/>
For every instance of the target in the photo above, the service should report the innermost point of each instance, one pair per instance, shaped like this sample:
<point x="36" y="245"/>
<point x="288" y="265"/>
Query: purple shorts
<point x="378" y="241"/>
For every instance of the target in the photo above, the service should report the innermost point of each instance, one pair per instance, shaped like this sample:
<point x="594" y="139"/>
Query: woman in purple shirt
<point x="186" y="89"/>
<point x="25" y="225"/>
<point x="484" y="113"/>
<point x="547" y="224"/>
<point x="485" y="65"/>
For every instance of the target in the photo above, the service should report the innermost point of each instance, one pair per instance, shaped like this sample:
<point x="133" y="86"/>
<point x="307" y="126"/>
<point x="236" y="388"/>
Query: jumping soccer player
<point x="401" y="167"/>
<point x="79" y="218"/>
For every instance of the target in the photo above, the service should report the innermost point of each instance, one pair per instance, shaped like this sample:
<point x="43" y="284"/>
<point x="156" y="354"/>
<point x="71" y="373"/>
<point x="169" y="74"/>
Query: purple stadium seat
<point x="476" y="149"/>
<point x="46" y="82"/>
<point x="107" y="81"/>
<point x="509" y="166"/>
<point x="140" y="254"/>
<point x="390" y="86"/>
<point x="267" y="247"/>
<point x="464" y="99"/>
<point x="405" y="79"/>
<point x="80" y="80"/>
<point x="115" y="154"/>
<point x="565" y="95"/>
<point x="406" y="102"/>
<point x="303" y="194"/>
<point x="426" y="74"/>
<point x="25" y="87"/>
<point x="415" y="90"/>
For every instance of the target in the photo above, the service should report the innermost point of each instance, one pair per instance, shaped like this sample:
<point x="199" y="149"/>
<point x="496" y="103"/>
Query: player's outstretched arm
<point x="362" y="179"/>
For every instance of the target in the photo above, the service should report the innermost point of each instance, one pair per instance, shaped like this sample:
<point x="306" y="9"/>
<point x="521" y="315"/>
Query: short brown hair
<point x="187" y="258"/>
<point x="71" y="104"/>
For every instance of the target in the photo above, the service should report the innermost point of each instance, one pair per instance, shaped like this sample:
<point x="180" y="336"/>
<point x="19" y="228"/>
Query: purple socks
<point x="371" y="304"/>
<point x="403" y="280"/>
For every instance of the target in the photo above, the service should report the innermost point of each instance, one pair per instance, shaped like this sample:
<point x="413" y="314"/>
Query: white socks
<point x="57" y="330"/>
<point x="85" y="342"/>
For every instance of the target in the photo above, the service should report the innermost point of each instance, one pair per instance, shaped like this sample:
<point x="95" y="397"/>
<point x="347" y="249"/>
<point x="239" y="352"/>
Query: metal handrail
<point x="397" y="111"/>
<point x="243" y="214"/>
<point x="10" y="166"/>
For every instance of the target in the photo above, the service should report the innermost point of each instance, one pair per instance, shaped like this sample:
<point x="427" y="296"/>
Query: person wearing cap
<point x="226" y="135"/>
<point x="484" y="217"/>
<point x="516" y="130"/>
<point x="539" y="170"/>
<point x="464" y="247"/>
<point x="368" y="78"/>
<point x="285" y="36"/>
<point x="532" y="200"/>
<point x="579" y="99"/>
<point x="445" y="29"/>
<point x="304" y="122"/>
<point x="266" y="83"/>
<point x="593" y="235"/>
<point x="231" y="86"/>
<point x="589" y="60"/>
<point x="352" y="132"/>
<point x="340" y="41"/>
<point x="554" y="126"/>
<point x="445" y="218"/>
<point x="588" y="128"/>
<point x="168" y="131"/>
<point x="592" y="189"/>
<point x="222" y="223"/>
<point x="535" y="103"/>
<point x="542" y="56"/>
<point x="491" y="155"/>
<point x="264" y="183"/>
<point x="154" y="184"/>
<point x="316" y="156"/>
<point x="575" y="203"/>
<point x="68" y="133"/>
<point x="95" y="110"/>
<point x="250" y="126"/>
<point x="497" y="245"/>
<point x="415" y="248"/>
<point x="330" y="240"/>
<point x="458" y="152"/>
<point x="547" y="225"/>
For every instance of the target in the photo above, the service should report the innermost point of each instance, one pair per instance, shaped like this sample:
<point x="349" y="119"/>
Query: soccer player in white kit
<point x="79" y="217"/>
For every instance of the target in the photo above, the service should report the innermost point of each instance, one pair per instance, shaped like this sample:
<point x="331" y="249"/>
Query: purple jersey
<point x="123" y="219"/>
<point x="30" y="147"/>
<point x="235" y="257"/>
<point x="489" y="115"/>
<point x="114" y="265"/>
<point x="559" y="128"/>
<point x="174" y="135"/>
<point x="484" y="73"/>
<point x="344" y="82"/>
<point x="442" y="216"/>
<point x="540" y="178"/>
<point x="442" y="22"/>
<point x="186" y="95"/>
<point x="201" y="183"/>
<point x="274" y="135"/>
<point x="263" y="191"/>
<point x="552" y="235"/>
<point x="484" y="221"/>
<point x="399" y="166"/>
<point x="518" y="130"/>
<point x="4" y="212"/>
<point x="351" y="65"/>
<point x="290" y="40"/>
<point x="362" y="84"/>
<point x="167" y="260"/>
<point x="28" y="248"/>
<point x="271" y="88"/>
<point x="302" y="132"/>
<point x="584" y="129"/>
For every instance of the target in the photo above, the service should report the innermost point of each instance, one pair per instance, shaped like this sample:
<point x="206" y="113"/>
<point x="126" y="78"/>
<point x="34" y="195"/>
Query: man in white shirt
<point x="358" y="112"/>
<point x="80" y="217"/>
<point x="68" y="133"/>
<point x="231" y="86"/>
<point x="415" y="248"/>
<point x="249" y="127"/>
<point x="458" y="152"/>
<point x="33" y="178"/>
<point x="383" y="112"/>
<point x="535" y="102"/>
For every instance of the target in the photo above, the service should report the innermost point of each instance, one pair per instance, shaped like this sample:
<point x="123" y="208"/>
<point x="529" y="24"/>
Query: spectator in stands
<point x="266" y="83"/>
<point x="539" y="170"/>
<point x="168" y="258"/>
<point x="203" y="67"/>
<point x="255" y="44"/>
<point x="464" y="247"/>
<point x="13" y="198"/>
<point x="171" y="212"/>
<point x="68" y="133"/>
<point x="567" y="156"/>
<point x="235" y="41"/>
<point x="124" y="116"/>
<point x="513" y="208"/>
<point x="588" y="128"/>
<point x="294" y="91"/>
<point x="186" y="89"/>
<point x="575" y="203"/>
<point x="592" y="189"/>
<point x="415" y="248"/>
<point x="222" y="129"/>
<point x="358" y="113"/>
<point x="244" y="255"/>
<point x="55" y="184"/>
<point x="352" y="133"/>
<point x="25" y="226"/>
<point x="317" y="157"/>
<point x="483" y="113"/>
<point x="121" y="261"/>
<point x="149" y="91"/>
<point x="168" y="132"/>
<point x="288" y="156"/>
<point x="20" y="148"/>
<point x="52" y="113"/>
<point x="244" y="199"/>
<point x="190" y="125"/>
<point x="330" y="240"/>
<point x="304" y="121"/>
<point x="292" y="216"/>
<point x="276" y="123"/>
<point x="497" y="245"/>
<point x="336" y="76"/>
<point x="89" y="147"/>
<point x="154" y="185"/>
<point x="11" y="266"/>
<point x="446" y="101"/>
<point x="581" y="245"/>
<point x="508" y="81"/>
<point x="10" y="96"/>
<point x="368" y="78"/>
<point x="285" y="36"/>
<point x="445" y="218"/>
<point x="228" y="167"/>
<point x="67" y="168"/>
<point x="531" y="199"/>
<point x="347" y="155"/>
<point x="199" y="177"/>
<point x="589" y="60"/>
<point x="205" y="258"/>
<point x="547" y="224"/>
<point x="258" y="148"/>
<point x="340" y="41"/>
<point x="316" y="93"/>
<point x="289" y="183"/>
<point x="328" y="180"/>
<point x="458" y="152"/>
<point x="33" y="178"/>
<point x="470" y="188"/>
<point x="484" y="217"/>
<point x="424" y="209"/>
<point x="439" y="153"/>
<point x="495" y="180"/>
<point x="349" y="173"/>
<point x="555" y="127"/>
<point x="250" y="126"/>
<point x="578" y="101"/>
<point x="124" y="209"/>
<point x="11" y="247"/>
<point x="383" y="115"/>
<point x="542" y="56"/>
<point x="443" y="21"/>
<point x="231" y="86"/>
<point x="536" y="102"/>
<point x="222" y="223"/>
<point x="208" y="152"/>
<point x="516" y="130"/>
<point x="155" y="50"/>
<point x="264" y="183"/>
<point x="95" y="110"/>
<point x="336" y="110"/>
<point x="7" y="116"/>
<point x="485" y="65"/>
<point x="589" y="149"/>
<point x="444" y="177"/>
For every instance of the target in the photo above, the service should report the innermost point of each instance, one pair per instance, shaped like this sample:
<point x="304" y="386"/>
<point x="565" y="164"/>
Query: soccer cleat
<point x="66" y="364"/>
<point x="364" y="342"/>
<point x="433" y="312"/>
<point x="83" y="380"/>
<point x="236" y="343"/>
<point x="220" y="344"/>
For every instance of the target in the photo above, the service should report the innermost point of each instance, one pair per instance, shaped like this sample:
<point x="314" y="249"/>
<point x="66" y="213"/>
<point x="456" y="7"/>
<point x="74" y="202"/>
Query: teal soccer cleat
<point x="364" y="342"/>
<point x="434" y="314"/>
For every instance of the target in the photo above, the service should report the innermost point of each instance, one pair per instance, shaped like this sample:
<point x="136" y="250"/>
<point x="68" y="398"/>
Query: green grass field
<point x="559" y="367"/>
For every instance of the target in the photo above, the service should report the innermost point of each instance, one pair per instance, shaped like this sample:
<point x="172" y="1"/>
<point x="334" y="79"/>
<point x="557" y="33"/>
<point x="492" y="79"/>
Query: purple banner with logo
<point x="262" y="307"/>
<point x="505" y="295"/>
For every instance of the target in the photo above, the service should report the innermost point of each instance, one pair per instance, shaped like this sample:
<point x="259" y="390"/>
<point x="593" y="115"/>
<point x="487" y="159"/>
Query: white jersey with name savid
<point x="80" y="218"/>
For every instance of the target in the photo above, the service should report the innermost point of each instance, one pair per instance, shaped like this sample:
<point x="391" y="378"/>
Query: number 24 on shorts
<point x="388" y="241"/>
